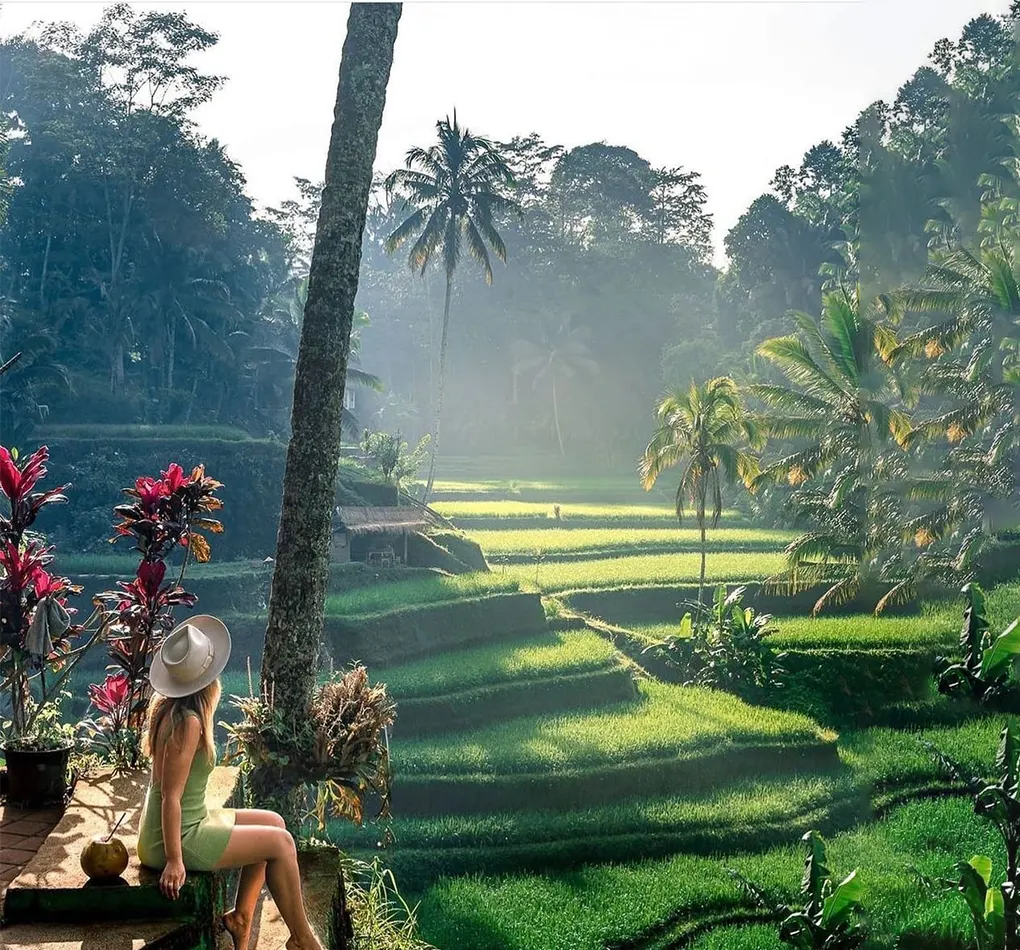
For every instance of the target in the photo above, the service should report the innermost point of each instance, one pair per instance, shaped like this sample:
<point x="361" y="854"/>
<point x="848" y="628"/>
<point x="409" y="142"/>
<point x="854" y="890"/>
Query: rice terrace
<point x="497" y="544"/>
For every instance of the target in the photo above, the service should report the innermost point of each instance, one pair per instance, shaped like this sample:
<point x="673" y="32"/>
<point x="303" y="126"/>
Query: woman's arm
<point x="177" y="756"/>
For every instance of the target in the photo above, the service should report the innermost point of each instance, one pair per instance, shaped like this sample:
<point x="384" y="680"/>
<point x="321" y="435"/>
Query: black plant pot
<point x="36" y="779"/>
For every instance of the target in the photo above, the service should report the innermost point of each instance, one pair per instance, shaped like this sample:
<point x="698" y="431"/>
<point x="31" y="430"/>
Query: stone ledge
<point x="53" y="887"/>
<point x="134" y="935"/>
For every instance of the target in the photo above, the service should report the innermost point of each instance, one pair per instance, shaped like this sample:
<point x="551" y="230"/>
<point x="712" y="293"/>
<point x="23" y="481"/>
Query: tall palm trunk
<point x="297" y="600"/>
<point x="556" y="417"/>
<point x="441" y="389"/>
<point x="704" y="552"/>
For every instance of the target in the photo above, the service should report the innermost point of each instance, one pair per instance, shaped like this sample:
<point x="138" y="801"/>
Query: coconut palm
<point x="844" y="408"/>
<point x="704" y="430"/>
<point x="558" y="360"/>
<point x="453" y="191"/>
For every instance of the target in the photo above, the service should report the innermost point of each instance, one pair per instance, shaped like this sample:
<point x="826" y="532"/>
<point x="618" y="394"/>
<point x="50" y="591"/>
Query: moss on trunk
<point x="298" y="592"/>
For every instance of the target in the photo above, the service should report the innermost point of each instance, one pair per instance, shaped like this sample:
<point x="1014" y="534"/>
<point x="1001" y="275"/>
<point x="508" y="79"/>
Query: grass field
<point x="668" y="721"/>
<point x="509" y="509"/>
<point x="591" y="908"/>
<point x="548" y="655"/>
<point x="427" y="590"/>
<point x="641" y="569"/>
<point x="578" y="540"/>
<point x="929" y="631"/>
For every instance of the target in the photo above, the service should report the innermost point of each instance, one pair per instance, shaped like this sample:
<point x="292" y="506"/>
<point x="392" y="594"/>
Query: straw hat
<point x="191" y="657"/>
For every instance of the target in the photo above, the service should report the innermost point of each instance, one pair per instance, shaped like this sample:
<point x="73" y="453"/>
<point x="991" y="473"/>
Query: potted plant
<point x="37" y="764"/>
<point x="39" y="641"/>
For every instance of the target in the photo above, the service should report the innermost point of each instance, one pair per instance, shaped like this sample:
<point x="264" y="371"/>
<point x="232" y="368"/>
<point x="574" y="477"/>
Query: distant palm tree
<point x="704" y="430"/>
<point x="556" y="360"/>
<point x="452" y="189"/>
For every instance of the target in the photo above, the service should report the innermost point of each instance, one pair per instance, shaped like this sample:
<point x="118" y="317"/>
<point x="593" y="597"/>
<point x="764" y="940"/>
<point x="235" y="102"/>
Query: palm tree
<point x="702" y="429"/>
<point x="453" y="190"/>
<point x="297" y="600"/>
<point x="844" y="408"/>
<point x="557" y="360"/>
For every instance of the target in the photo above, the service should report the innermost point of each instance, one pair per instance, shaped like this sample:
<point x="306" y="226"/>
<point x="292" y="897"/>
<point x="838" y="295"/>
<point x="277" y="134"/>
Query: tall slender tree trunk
<point x="297" y="600"/>
<point x="441" y="389"/>
<point x="701" y="579"/>
<point x="556" y="417"/>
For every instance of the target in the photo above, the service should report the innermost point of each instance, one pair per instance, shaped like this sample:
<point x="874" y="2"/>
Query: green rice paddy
<point x="667" y="722"/>
<point x="410" y="593"/>
<point x="629" y="570"/>
<point x="570" y="513"/>
<point x="612" y="540"/>
<point x="604" y="905"/>
<point x="548" y="655"/>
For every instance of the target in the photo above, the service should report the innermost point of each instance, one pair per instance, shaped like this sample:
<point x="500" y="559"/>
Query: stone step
<point x="130" y="935"/>
<point x="53" y="887"/>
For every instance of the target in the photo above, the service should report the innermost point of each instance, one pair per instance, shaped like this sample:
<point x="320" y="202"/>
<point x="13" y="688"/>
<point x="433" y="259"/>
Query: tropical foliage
<point x="986" y="669"/>
<point x="725" y="646"/>
<point x="826" y="921"/>
<point x="704" y="430"/>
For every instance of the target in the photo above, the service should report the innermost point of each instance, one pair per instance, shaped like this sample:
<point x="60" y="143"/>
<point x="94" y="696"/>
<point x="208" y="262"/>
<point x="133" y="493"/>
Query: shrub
<point x="164" y="515"/>
<point x="724" y="646"/>
<point x="37" y="632"/>
<point x="997" y="917"/>
<point x="985" y="672"/>
<point x="339" y="746"/>
<point x="826" y="919"/>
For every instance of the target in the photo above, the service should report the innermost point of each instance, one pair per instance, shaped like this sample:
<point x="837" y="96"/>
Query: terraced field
<point x="558" y="787"/>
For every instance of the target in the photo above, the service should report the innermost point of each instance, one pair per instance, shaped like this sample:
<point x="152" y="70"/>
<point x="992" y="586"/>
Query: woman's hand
<point x="172" y="879"/>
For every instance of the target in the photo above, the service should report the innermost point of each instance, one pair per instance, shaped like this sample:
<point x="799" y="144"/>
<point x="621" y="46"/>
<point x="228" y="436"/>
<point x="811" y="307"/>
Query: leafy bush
<point x="164" y="514"/>
<point x="997" y="918"/>
<point x="724" y="646"/>
<point x="987" y="903"/>
<point x="37" y="632"/>
<point x="826" y="920"/>
<point x="339" y="747"/>
<point x="986" y="670"/>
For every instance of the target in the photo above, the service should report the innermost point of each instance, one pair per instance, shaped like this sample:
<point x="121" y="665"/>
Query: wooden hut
<point x="375" y="535"/>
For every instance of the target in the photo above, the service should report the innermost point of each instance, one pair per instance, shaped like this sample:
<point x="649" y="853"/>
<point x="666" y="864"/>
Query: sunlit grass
<point x="595" y="906"/>
<point x="744" y="804"/>
<point x="551" y="654"/>
<point x="855" y="632"/>
<point x="415" y="593"/>
<point x="554" y="540"/>
<point x="666" y="721"/>
<point x="643" y="569"/>
<point x="569" y="512"/>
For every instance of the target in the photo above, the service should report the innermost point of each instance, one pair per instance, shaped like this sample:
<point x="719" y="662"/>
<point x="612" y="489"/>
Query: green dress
<point x="204" y="831"/>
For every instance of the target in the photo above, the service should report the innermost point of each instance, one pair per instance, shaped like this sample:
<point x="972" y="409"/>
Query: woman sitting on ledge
<point x="178" y="831"/>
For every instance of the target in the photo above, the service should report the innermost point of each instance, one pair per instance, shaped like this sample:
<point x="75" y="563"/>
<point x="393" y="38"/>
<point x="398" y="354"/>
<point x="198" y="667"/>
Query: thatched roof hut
<point x="355" y="521"/>
<point x="375" y="527"/>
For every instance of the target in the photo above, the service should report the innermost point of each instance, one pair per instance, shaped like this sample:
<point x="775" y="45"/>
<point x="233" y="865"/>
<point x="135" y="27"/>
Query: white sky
<point x="730" y="89"/>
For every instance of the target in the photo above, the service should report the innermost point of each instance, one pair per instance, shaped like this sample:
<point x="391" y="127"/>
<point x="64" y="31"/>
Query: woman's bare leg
<point x="253" y="844"/>
<point x="239" y="921"/>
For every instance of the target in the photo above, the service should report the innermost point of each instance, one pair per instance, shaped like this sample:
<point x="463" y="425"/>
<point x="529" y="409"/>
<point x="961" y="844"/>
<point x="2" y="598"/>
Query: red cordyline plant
<point x="165" y="514"/>
<point x="37" y="635"/>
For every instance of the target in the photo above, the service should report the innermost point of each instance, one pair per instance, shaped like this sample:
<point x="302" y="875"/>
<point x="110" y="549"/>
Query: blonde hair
<point x="167" y="715"/>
